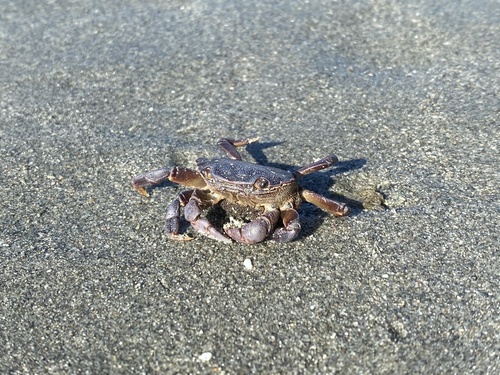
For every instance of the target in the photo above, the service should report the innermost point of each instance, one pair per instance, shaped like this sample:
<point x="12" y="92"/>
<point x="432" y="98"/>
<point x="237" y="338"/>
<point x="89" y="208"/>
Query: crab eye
<point x="261" y="183"/>
<point x="207" y="173"/>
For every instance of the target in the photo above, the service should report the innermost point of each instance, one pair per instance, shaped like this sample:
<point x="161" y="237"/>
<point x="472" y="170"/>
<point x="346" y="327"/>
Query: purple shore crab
<point x="272" y="191"/>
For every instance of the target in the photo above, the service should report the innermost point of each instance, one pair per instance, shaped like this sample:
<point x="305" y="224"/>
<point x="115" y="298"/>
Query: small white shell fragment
<point x="205" y="357"/>
<point x="248" y="264"/>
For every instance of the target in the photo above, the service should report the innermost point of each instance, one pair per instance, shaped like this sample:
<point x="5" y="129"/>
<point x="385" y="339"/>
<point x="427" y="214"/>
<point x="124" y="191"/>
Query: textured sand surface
<point x="405" y="93"/>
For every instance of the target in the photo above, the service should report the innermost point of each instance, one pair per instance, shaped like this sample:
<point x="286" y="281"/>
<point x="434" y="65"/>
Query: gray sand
<point x="405" y="93"/>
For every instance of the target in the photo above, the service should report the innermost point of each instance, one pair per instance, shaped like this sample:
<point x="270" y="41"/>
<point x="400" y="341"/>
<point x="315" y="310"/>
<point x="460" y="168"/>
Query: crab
<point x="274" y="192"/>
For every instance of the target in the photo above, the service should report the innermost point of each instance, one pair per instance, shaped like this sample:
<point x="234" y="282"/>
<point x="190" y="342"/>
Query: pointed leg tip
<point x="253" y="140"/>
<point x="180" y="237"/>
<point x="141" y="190"/>
<point x="342" y="211"/>
<point x="345" y="211"/>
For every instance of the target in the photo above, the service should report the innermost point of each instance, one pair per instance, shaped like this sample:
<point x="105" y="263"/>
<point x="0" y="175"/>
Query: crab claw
<point x="192" y="212"/>
<point x="253" y="232"/>
<point x="256" y="230"/>
<point x="291" y="227"/>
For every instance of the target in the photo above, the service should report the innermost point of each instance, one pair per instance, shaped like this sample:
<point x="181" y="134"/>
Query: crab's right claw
<point x="256" y="230"/>
<point x="291" y="229"/>
<point x="192" y="212"/>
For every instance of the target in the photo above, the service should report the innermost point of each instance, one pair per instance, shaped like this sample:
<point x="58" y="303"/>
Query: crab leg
<point x="192" y="212"/>
<point x="336" y="208"/>
<point x="291" y="229"/>
<point x="180" y="175"/>
<point x="229" y="146"/>
<point x="172" y="219"/>
<point x="256" y="230"/>
<point x="316" y="166"/>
